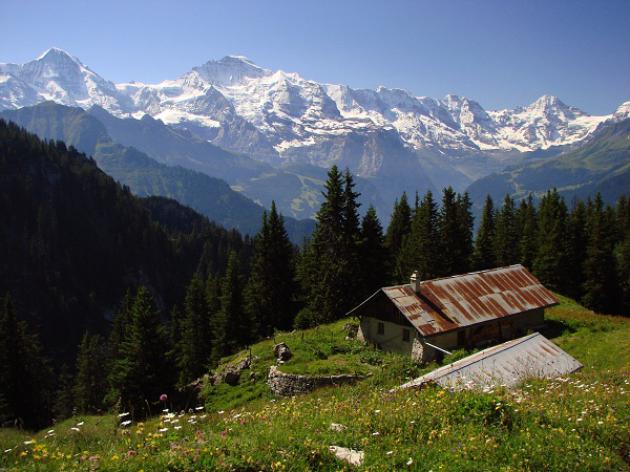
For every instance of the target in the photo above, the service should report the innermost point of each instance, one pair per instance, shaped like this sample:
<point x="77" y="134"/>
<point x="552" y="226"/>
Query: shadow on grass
<point x="556" y="328"/>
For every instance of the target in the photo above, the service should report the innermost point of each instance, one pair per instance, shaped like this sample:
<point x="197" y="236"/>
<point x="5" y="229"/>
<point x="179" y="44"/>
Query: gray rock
<point x="282" y="352"/>
<point x="350" y="456"/>
<point x="337" y="427"/>
<point x="351" y="330"/>
<point x="231" y="374"/>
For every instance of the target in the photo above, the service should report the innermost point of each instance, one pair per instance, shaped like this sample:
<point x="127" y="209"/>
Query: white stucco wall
<point x="392" y="338"/>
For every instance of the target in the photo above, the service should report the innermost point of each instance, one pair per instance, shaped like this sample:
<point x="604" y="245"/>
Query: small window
<point x="406" y="335"/>
<point x="381" y="328"/>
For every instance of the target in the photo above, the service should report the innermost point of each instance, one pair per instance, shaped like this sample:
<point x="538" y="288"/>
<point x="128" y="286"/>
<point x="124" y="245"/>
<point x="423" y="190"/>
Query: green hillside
<point x="145" y="176"/>
<point x="601" y="165"/>
<point x="575" y="423"/>
<point x="72" y="241"/>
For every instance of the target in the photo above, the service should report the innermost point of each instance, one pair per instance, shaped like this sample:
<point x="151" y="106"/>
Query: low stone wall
<point x="285" y="384"/>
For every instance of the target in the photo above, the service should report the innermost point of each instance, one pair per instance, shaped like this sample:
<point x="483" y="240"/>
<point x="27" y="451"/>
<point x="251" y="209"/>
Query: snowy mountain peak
<point x="56" y="55"/>
<point x="229" y="70"/>
<point x="550" y="104"/>
<point x="237" y="58"/>
<point x="623" y="111"/>
<point x="546" y="101"/>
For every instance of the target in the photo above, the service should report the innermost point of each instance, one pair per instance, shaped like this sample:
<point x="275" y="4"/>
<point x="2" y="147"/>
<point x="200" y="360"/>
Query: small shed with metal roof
<point x="505" y="365"/>
<point x="426" y="319"/>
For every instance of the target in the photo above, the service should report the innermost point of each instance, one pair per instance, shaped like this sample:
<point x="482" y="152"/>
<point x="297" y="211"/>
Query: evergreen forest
<point x="110" y="301"/>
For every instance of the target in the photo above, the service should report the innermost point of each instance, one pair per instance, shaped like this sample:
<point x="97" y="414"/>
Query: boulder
<point x="350" y="456"/>
<point x="351" y="330"/>
<point x="282" y="352"/>
<point x="231" y="374"/>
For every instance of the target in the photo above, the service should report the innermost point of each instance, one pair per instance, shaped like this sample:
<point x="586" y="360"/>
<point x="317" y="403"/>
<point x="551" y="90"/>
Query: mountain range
<point x="145" y="176"/>
<point x="601" y="165"/>
<point x="269" y="133"/>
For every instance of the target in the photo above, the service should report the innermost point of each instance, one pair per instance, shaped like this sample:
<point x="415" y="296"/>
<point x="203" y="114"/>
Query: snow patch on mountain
<point x="622" y="112"/>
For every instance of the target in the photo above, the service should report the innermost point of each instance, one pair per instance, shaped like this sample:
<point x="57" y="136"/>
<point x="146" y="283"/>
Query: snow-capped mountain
<point x="281" y="117"/>
<point x="292" y="111"/>
<point x="60" y="77"/>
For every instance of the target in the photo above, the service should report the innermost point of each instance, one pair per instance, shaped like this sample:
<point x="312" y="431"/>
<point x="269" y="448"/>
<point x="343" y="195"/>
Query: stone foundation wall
<point x="293" y="384"/>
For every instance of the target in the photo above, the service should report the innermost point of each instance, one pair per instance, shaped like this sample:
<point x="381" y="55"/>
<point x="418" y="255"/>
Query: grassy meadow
<point x="578" y="422"/>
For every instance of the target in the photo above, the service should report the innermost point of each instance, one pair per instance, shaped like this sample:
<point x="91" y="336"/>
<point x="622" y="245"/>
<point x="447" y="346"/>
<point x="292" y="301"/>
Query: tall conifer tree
<point x="600" y="284"/>
<point x="483" y="255"/>
<point x="623" y="267"/>
<point x="466" y="223"/>
<point x="421" y="248"/>
<point x="26" y="377"/>
<point x="328" y="263"/>
<point x="374" y="255"/>
<point x="90" y="385"/>
<point x="576" y="249"/>
<point x="505" y="234"/>
<point x="353" y="280"/>
<point x="271" y="286"/>
<point x="194" y="345"/>
<point x="527" y="222"/>
<point x="139" y="370"/>
<point x="623" y="253"/>
<point x="449" y="234"/>
<point x="122" y="319"/>
<point x="399" y="227"/>
<point x="231" y="327"/>
<point x="551" y="260"/>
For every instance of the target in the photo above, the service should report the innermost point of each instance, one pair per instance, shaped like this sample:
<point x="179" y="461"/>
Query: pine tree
<point x="527" y="223"/>
<point x="576" y="249"/>
<point x="122" y="319"/>
<point x="454" y="229"/>
<point x="600" y="284"/>
<point x="551" y="261"/>
<point x="26" y="378"/>
<point x="139" y="370"/>
<point x="448" y="233"/>
<point x="271" y="286"/>
<point x="483" y="255"/>
<point x="623" y="216"/>
<point x="374" y="256"/>
<point x="213" y="294"/>
<point x="328" y="268"/>
<point x="421" y="248"/>
<point x="194" y="344"/>
<point x="64" y="404"/>
<point x="12" y="405"/>
<point x="350" y="253"/>
<point x="231" y="328"/>
<point x="465" y="238"/>
<point x="306" y="272"/>
<point x="399" y="227"/>
<point x="623" y="268"/>
<point x="505" y="234"/>
<point x="623" y="253"/>
<point x="90" y="385"/>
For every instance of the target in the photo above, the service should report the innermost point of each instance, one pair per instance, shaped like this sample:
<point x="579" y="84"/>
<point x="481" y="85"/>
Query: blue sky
<point x="501" y="53"/>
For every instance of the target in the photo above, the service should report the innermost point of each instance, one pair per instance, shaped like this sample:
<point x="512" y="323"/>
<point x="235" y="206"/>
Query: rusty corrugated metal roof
<point x="454" y="302"/>
<point x="507" y="364"/>
<point x="419" y="313"/>
<point x="479" y="296"/>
